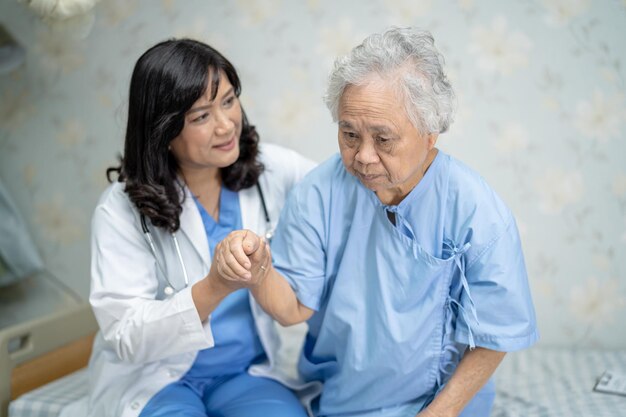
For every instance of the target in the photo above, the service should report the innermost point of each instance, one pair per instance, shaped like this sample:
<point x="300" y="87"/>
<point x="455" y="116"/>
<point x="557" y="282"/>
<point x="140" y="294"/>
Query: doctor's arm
<point x="208" y="293"/>
<point x="471" y="375"/>
<point x="135" y="324"/>
<point x="245" y="257"/>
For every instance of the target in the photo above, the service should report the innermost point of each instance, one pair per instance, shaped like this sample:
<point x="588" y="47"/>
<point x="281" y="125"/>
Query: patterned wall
<point x="541" y="115"/>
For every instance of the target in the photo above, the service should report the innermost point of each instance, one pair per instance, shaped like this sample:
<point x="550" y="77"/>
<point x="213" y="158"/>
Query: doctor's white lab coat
<point x="147" y="340"/>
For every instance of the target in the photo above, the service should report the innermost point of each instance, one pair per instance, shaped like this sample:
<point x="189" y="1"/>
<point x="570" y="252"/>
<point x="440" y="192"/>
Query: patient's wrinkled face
<point x="378" y="143"/>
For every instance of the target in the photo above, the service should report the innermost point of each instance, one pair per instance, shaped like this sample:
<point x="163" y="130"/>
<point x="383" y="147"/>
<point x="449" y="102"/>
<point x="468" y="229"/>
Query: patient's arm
<point x="278" y="299"/>
<point x="243" y="255"/>
<point x="473" y="372"/>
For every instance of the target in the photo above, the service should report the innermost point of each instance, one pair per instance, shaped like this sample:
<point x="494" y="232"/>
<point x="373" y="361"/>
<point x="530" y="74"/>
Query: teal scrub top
<point x="397" y="304"/>
<point x="237" y="344"/>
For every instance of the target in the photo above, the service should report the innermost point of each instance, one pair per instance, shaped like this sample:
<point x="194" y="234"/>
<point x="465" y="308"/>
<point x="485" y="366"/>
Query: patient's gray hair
<point x="409" y="59"/>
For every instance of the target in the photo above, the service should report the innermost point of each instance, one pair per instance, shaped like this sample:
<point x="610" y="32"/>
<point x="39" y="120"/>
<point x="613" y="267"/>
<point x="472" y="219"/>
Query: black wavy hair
<point x="167" y="80"/>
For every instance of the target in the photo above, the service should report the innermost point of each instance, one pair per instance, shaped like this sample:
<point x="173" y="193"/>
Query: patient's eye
<point x="348" y="135"/>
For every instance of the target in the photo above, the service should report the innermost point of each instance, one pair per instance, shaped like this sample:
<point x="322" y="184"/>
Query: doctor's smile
<point x="227" y="146"/>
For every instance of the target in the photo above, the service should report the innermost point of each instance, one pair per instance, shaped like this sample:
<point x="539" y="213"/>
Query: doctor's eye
<point x="230" y="101"/>
<point x="201" y="118"/>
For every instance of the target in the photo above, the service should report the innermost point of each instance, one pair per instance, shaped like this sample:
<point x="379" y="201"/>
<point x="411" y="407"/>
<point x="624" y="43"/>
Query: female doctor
<point x="175" y="337"/>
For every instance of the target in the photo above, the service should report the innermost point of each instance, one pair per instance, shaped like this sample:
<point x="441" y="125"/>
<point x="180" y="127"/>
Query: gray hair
<point x="409" y="54"/>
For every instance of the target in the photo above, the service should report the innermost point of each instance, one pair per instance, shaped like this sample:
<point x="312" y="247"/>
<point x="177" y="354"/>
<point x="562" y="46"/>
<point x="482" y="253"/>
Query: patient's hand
<point x="242" y="259"/>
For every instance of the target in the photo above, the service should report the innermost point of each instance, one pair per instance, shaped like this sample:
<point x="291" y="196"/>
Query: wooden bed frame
<point x="42" y="350"/>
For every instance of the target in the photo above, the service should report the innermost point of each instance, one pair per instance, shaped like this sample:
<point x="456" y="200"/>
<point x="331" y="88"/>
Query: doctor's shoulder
<point x="279" y="159"/>
<point x="328" y="175"/>
<point x="316" y="189"/>
<point x="114" y="201"/>
<point x="283" y="165"/>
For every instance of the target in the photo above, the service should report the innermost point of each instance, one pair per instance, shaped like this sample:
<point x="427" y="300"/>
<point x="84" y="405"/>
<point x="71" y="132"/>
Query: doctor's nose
<point x="224" y="124"/>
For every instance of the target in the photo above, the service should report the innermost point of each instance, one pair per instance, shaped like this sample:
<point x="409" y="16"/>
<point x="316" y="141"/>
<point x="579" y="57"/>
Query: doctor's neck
<point x="204" y="183"/>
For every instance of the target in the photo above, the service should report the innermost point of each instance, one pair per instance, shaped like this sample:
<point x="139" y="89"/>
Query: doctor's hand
<point x="242" y="259"/>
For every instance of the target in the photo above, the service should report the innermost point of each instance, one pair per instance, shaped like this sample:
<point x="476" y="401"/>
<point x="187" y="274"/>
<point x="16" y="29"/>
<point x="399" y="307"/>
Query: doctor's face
<point x="379" y="144"/>
<point x="210" y="136"/>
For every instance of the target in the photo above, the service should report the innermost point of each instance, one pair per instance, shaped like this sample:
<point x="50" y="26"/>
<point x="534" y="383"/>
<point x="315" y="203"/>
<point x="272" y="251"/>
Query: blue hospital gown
<point x="397" y="304"/>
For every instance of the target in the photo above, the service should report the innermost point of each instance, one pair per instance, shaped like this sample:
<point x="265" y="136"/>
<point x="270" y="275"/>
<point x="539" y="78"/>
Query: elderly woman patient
<point x="406" y="264"/>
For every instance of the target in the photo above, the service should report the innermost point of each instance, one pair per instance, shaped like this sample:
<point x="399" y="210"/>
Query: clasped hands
<point x="242" y="259"/>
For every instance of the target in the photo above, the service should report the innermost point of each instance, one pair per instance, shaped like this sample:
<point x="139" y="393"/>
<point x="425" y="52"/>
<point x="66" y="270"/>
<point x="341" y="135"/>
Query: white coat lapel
<point x="250" y="207"/>
<point x="192" y="226"/>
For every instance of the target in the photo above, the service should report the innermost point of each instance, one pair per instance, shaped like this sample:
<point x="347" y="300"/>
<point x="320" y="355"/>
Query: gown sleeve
<point x="297" y="248"/>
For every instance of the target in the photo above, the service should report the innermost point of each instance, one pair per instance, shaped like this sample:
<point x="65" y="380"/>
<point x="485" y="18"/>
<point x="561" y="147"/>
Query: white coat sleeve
<point x="138" y="327"/>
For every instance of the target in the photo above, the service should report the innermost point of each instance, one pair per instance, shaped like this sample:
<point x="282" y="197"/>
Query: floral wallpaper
<point x="541" y="115"/>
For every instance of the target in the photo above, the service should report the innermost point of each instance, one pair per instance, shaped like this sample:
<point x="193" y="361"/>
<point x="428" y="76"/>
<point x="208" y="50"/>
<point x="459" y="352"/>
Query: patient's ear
<point x="432" y="140"/>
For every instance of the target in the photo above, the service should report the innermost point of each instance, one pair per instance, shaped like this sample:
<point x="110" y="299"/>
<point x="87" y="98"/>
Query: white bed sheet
<point x="50" y="399"/>
<point x="543" y="382"/>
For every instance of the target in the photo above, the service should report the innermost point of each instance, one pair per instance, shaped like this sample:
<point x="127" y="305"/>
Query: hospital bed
<point x="35" y="354"/>
<point x="46" y="333"/>
<point x="44" y="370"/>
<point x="556" y="382"/>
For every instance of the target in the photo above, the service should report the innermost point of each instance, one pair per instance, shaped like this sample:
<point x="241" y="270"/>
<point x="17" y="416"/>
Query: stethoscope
<point x="169" y="288"/>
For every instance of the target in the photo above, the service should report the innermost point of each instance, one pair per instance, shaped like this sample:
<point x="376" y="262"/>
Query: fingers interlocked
<point x="243" y="257"/>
